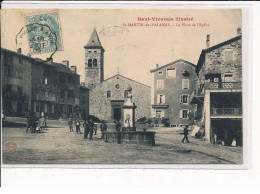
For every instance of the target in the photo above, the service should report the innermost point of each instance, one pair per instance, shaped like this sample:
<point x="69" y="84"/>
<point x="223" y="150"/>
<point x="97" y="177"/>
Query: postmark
<point x="45" y="34"/>
<point x="126" y="47"/>
<point x="11" y="146"/>
<point x="41" y="38"/>
<point x="113" y="31"/>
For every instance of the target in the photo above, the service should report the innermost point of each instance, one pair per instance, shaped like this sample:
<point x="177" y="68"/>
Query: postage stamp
<point x="45" y="33"/>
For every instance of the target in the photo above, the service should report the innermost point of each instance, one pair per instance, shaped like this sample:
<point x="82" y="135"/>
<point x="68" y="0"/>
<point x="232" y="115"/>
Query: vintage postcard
<point x="122" y="86"/>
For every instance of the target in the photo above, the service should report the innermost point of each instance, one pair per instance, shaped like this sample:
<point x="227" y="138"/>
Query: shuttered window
<point x="160" y="98"/>
<point x="160" y="84"/>
<point x="184" y="99"/>
<point x="184" y="114"/>
<point x="185" y="84"/>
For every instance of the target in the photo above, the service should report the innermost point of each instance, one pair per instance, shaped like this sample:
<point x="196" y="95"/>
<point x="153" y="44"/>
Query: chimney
<point x="239" y="31"/>
<point x="73" y="69"/>
<point x="157" y="65"/>
<point x="66" y="63"/>
<point x="19" y="50"/>
<point x="49" y="61"/>
<point x="208" y="41"/>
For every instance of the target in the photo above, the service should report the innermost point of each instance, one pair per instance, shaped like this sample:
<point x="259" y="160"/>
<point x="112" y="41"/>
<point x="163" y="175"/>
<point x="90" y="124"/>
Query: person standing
<point x="185" y="132"/>
<point x="29" y="122"/>
<point x="91" y="128"/>
<point x="70" y="125"/>
<point x="34" y="124"/>
<point x="103" y="128"/>
<point x="77" y="126"/>
<point x="118" y="126"/>
<point x="86" y="129"/>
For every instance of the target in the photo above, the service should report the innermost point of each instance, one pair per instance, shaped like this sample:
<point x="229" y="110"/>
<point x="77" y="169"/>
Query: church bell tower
<point x="94" y="61"/>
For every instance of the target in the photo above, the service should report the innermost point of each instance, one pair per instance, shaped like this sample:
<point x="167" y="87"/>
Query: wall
<point x="94" y="75"/>
<point x="215" y="61"/>
<point x="100" y="105"/>
<point x="24" y="81"/>
<point x="173" y="89"/>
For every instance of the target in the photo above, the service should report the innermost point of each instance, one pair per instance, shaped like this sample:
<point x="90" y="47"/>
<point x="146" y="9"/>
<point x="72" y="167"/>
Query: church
<point x="107" y="96"/>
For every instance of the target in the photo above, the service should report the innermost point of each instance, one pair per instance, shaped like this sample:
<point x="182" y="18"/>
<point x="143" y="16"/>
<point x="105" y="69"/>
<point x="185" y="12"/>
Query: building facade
<point x="35" y="85"/>
<point x="106" y="97"/>
<point x="94" y="61"/>
<point x="84" y="101"/>
<point x="218" y="91"/>
<point x="16" y="82"/>
<point x="172" y="90"/>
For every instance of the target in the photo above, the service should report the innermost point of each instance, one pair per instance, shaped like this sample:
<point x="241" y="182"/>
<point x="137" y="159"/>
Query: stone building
<point x="31" y="84"/>
<point x="84" y="101"/>
<point x="55" y="89"/>
<point x="172" y="90"/>
<point x="106" y="97"/>
<point x="16" y="82"/>
<point x="218" y="91"/>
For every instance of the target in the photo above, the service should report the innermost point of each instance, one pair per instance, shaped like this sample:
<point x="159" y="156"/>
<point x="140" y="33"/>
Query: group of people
<point x="89" y="128"/>
<point x="35" y="124"/>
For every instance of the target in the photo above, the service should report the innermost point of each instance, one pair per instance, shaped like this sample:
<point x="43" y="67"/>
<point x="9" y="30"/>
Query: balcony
<point x="223" y="86"/>
<point x="160" y="105"/>
<point x="70" y="101"/>
<point x="197" y="95"/>
<point x="225" y="112"/>
<point x="45" y="98"/>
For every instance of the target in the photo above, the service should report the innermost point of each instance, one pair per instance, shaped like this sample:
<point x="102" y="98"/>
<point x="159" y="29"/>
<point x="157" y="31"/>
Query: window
<point x="117" y="86"/>
<point x="160" y="73"/>
<point x="52" y="108"/>
<point x="9" y="72"/>
<point x="19" y="89"/>
<point x="19" y="74"/>
<point x="8" y="60"/>
<point x="160" y="98"/>
<point x="160" y="84"/>
<point x="20" y="60"/>
<point x="171" y="72"/>
<point x="90" y="63"/>
<point x="125" y="93"/>
<point x="184" y="114"/>
<point x="46" y="93"/>
<point x="89" y="51"/>
<point x="159" y="114"/>
<point x="228" y="77"/>
<point x="184" y="99"/>
<point x="185" y="83"/>
<point x="108" y="94"/>
<point x="229" y="56"/>
<point x="94" y="62"/>
<point x="45" y="108"/>
<point x="45" y="81"/>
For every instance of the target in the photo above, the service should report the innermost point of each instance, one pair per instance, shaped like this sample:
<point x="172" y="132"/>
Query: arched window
<point x="90" y="63"/>
<point x="108" y="94"/>
<point x="94" y="62"/>
<point x="125" y="94"/>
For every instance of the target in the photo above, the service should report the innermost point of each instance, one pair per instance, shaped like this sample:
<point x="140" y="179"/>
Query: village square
<point x="192" y="114"/>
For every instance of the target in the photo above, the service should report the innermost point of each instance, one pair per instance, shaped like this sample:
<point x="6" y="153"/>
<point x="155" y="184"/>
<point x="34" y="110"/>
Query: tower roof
<point x="94" y="41"/>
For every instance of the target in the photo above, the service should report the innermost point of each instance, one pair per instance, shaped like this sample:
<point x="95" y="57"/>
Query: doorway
<point x="117" y="114"/>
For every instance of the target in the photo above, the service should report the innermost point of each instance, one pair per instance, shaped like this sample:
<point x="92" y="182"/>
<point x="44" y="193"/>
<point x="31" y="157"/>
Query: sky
<point x="131" y="50"/>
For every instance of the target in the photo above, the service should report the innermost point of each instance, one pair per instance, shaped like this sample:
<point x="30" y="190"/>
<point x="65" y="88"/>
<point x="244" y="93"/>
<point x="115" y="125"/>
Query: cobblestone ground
<point x="56" y="145"/>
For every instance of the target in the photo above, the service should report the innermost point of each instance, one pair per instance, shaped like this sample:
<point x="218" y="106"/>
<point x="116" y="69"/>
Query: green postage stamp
<point x="45" y="35"/>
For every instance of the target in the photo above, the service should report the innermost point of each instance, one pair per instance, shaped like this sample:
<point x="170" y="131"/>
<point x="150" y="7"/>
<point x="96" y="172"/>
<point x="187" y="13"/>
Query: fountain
<point x="129" y="134"/>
